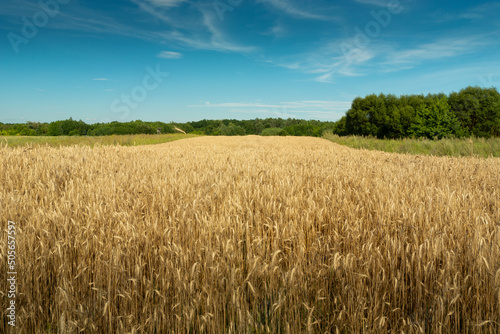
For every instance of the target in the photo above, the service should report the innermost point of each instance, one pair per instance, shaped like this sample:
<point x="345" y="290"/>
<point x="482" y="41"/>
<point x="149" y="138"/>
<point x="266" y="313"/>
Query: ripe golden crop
<point x="251" y="235"/>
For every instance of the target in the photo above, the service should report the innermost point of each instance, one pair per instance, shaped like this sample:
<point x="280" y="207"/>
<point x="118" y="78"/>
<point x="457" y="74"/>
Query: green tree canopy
<point x="434" y="120"/>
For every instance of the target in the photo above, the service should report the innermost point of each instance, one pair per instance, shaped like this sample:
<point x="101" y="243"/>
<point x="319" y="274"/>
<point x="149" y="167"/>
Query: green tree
<point x="478" y="110"/>
<point x="55" y="129"/>
<point x="230" y="130"/>
<point x="435" y="120"/>
<point x="339" y="127"/>
<point x="359" y="118"/>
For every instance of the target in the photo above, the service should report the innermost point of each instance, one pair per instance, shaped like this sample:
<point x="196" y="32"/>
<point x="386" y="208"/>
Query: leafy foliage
<point x="435" y="121"/>
<point x="230" y="130"/>
<point x="274" y="132"/>
<point x="472" y="111"/>
<point x="478" y="110"/>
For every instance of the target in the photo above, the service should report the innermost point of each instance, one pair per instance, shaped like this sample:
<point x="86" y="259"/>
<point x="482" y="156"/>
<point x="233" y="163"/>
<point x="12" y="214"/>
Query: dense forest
<point x="473" y="111"/>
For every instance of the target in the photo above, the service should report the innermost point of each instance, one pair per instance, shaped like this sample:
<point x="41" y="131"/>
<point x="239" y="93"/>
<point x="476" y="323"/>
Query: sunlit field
<point x="123" y="140"/>
<point x="250" y="235"/>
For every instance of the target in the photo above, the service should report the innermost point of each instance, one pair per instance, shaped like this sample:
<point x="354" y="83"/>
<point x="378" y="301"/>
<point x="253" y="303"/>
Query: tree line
<point x="473" y="111"/>
<point x="226" y="127"/>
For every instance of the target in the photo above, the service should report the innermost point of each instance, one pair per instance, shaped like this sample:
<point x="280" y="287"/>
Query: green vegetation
<point x="71" y="127"/>
<point x="472" y="112"/>
<point x="230" y="130"/>
<point x="482" y="147"/>
<point x="265" y="127"/>
<point x="226" y="127"/>
<point x="274" y="132"/>
<point x="435" y="121"/>
<point x="122" y="140"/>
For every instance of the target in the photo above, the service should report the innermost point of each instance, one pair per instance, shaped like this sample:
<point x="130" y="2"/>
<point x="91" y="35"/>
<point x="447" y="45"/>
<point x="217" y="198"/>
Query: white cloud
<point x="170" y="55"/>
<point x="481" y="11"/>
<point x="328" y="63"/>
<point x="278" y="31"/>
<point x="101" y="79"/>
<point x="441" y="48"/>
<point x="151" y="8"/>
<point x="200" y="31"/>
<point x="320" y="104"/>
<point x="318" y="109"/>
<point x="166" y="3"/>
<point x="219" y="39"/>
<point x="325" y="105"/>
<point x="293" y="10"/>
<point x="327" y="78"/>
<point x="380" y="3"/>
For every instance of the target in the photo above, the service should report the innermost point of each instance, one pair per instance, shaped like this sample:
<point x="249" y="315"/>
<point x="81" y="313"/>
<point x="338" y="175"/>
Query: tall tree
<point x="434" y="120"/>
<point x="478" y="110"/>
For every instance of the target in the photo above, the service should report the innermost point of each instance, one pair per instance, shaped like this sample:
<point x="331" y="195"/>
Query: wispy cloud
<point x="219" y="39"/>
<point x="319" y="104"/>
<point x="278" y="31"/>
<point x="327" y="77"/>
<point x="170" y="55"/>
<point x="296" y="105"/>
<point x="167" y="3"/>
<point x="293" y="9"/>
<point x="380" y="3"/>
<point x="202" y="31"/>
<point x="316" y="109"/>
<point x="441" y="48"/>
<point x="182" y="25"/>
<point x="175" y="21"/>
<point x="18" y="8"/>
<point x="328" y="63"/>
<point x="486" y="9"/>
<point x="481" y="11"/>
<point x="153" y="9"/>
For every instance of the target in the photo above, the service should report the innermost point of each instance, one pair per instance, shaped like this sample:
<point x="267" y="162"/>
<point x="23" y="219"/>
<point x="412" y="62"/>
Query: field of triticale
<point x="250" y="235"/>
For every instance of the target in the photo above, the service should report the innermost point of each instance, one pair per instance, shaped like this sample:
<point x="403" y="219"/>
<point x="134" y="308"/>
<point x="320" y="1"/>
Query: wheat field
<point x="250" y="235"/>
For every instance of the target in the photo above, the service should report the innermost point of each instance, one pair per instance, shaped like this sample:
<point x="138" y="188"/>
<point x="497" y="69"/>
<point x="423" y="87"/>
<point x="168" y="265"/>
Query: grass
<point x="250" y="235"/>
<point x="479" y="147"/>
<point x="122" y="140"/>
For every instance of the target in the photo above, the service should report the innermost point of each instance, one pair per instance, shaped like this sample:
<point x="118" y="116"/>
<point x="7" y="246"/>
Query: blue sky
<point x="186" y="60"/>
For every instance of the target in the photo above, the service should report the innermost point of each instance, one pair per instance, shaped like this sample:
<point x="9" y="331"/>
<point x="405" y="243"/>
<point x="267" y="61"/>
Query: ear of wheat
<point x="251" y="234"/>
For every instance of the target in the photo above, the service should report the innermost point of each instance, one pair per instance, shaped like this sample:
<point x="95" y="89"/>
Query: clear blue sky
<point x="183" y="60"/>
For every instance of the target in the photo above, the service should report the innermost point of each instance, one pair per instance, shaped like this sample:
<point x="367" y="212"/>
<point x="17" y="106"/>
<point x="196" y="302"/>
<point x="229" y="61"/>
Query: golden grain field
<point x="250" y="235"/>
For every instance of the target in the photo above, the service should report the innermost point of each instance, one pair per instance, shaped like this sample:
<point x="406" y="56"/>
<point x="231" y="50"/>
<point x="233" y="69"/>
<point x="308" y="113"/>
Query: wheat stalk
<point x="217" y="234"/>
